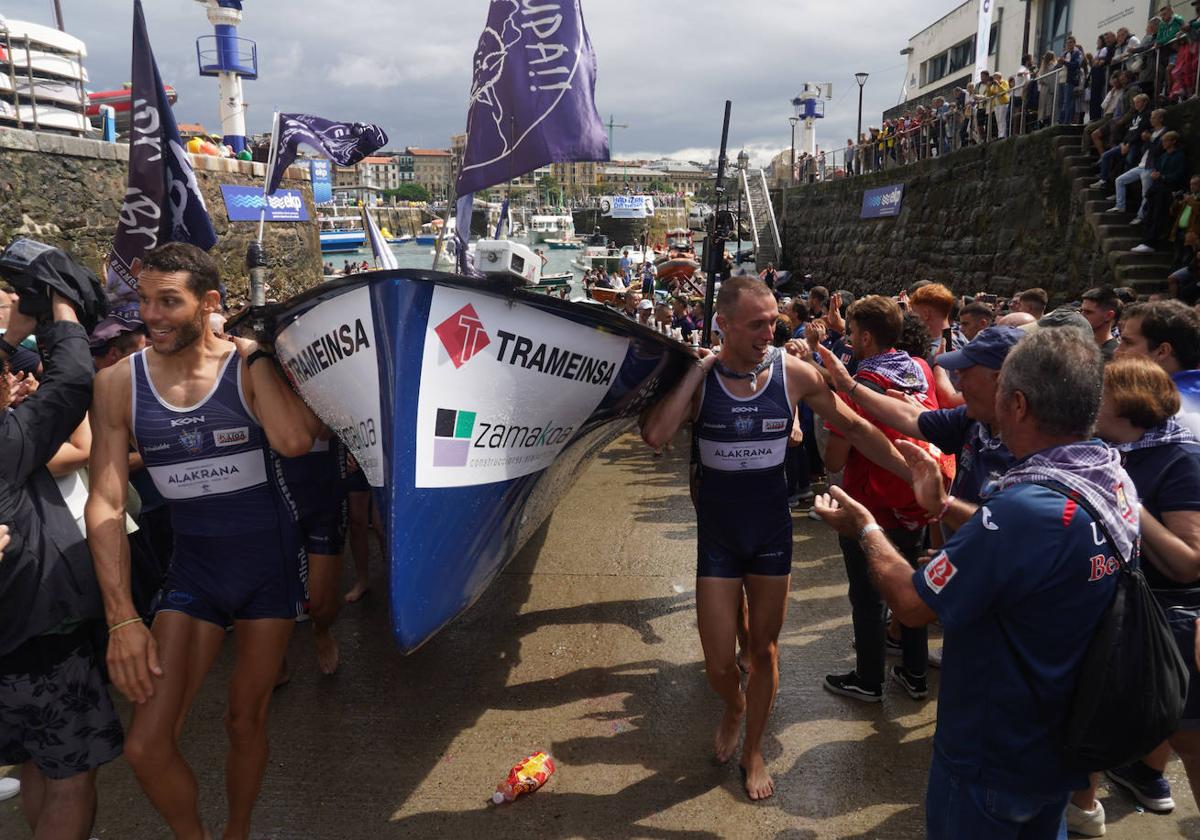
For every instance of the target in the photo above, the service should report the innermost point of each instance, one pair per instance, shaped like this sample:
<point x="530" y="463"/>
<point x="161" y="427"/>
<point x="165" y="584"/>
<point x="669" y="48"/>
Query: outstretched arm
<point x="894" y="411"/>
<point x="872" y="443"/>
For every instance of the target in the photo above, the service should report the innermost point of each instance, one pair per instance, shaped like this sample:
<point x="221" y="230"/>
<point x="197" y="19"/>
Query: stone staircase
<point x="1144" y="273"/>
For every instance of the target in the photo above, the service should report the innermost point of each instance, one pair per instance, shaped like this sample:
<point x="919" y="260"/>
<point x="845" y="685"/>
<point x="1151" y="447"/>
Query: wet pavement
<point x="585" y="646"/>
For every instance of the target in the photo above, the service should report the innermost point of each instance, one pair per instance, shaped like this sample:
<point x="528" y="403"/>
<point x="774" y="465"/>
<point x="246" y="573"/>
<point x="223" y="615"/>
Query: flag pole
<point x="262" y="213"/>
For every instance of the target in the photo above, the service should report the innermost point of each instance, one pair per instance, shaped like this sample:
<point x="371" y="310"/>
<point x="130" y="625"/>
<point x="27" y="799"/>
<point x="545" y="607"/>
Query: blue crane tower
<point x="230" y="59"/>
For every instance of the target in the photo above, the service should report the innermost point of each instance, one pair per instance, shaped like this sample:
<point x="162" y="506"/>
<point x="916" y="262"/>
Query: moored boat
<point x="341" y="241"/>
<point x="471" y="406"/>
<point x="543" y="228"/>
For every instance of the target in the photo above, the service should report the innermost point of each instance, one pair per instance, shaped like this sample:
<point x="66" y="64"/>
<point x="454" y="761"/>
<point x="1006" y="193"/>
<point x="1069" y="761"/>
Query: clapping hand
<point x="799" y="349"/>
<point x="841" y="513"/>
<point x="20" y="387"/>
<point x="814" y="334"/>
<point x="834" y="317"/>
<point x="926" y="476"/>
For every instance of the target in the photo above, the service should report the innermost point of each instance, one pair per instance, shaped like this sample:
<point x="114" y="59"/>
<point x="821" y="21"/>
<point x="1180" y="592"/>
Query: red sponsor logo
<point x="1102" y="567"/>
<point x="462" y="335"/>
<point x="939" y="572"/>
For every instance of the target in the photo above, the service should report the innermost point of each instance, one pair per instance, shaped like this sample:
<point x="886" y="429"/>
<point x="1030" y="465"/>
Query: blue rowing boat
<point x="471" y="407"/>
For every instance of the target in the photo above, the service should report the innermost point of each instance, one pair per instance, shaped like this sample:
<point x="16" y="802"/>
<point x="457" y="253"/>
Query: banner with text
<point x="627" y="206"/>
<point x="481" y="352"/>
<point x="243" y="204"/>
<point x="322" y="181"/>
<point x="882" y="203"/>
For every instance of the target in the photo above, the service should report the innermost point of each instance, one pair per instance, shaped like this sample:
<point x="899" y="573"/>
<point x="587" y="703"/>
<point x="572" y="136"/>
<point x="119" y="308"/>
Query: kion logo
<point x="462" y="335"/>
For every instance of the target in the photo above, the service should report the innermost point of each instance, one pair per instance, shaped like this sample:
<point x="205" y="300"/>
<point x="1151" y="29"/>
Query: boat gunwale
<point x="280" y="314"/>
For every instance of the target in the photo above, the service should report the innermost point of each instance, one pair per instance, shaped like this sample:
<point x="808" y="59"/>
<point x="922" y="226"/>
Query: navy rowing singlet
<point x="742" y="442"/>
<point x="210" y="461"/>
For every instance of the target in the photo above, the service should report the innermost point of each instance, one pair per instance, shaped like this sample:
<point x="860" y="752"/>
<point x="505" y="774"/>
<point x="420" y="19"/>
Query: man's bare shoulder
<point x="112" y="388"/>
<point x="114" y="376"/>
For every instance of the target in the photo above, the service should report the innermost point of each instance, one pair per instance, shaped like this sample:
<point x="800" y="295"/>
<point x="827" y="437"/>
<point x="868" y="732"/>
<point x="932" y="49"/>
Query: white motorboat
<point x="608" y="258"/>
<point x="544" y="228"/>
<point x="45" y="116"/>
<point x="45" y="90"/>
<point x="42" y="62"/>
<point x="43" y="37"/>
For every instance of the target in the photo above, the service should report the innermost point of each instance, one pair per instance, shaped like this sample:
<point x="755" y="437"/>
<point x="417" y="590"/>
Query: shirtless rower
<point x="743" y="401"/>
<point x="205" y="413"/>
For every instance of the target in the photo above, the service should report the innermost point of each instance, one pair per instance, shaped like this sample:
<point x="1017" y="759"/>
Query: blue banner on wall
<point x="883" y="202"/>
<point x="322" y="181"/>
<point x="243" y="204"/>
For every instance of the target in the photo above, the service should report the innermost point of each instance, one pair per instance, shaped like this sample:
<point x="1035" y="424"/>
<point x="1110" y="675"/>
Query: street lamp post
<point x="861" y="78"/>
<point x="792" y="174"/>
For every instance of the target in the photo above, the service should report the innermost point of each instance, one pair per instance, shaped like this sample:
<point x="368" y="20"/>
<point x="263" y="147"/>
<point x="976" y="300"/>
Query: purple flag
<point x="162" y="200"/>
<point x="343" y="143"/>
<point x="532" y="94"/>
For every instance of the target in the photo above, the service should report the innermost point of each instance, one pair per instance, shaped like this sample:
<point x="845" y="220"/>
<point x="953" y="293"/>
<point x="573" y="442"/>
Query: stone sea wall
<point x="630" y="231"/>
<point x="68" y="191"/>
<point x="994" y="218"/>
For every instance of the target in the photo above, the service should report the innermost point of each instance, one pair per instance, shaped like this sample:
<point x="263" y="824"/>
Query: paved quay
<point x="586" y="646"/>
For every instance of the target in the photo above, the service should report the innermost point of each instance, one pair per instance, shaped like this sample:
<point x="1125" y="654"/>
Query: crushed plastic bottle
<point x="526" y="777"/>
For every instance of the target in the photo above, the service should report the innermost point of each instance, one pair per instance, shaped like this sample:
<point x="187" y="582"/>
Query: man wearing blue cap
<point x="965" y="430"/>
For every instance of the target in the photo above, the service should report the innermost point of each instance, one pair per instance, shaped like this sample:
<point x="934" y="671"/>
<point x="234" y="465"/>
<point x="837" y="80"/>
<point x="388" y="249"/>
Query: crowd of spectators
<point x="976" y="390"/>
<point x="1062" y="88"/>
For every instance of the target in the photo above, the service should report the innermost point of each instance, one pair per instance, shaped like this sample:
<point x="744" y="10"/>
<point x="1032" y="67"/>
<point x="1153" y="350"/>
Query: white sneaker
<point x="9" y="787"/>
<point x="1115" y="209"/>
<point x="1097" y="185"/>
<point x="1088" y="823"/>
<point x="1143" y="249"/>
<point x="1136" y="220"/>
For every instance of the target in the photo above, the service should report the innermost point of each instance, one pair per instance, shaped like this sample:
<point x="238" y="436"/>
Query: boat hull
<point x="471" y="408"/>
<point x="341" y="242"/>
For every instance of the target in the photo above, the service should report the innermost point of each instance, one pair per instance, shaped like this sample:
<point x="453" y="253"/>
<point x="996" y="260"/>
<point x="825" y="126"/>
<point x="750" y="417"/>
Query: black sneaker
<point x="917" y="687"/>
<point x="1147" y="785"/>
<point x="849" y="685"/>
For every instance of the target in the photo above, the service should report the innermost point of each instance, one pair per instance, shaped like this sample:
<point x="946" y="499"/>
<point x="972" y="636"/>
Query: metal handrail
<point x="751" y="214"/>
<point x="770" y="213"/>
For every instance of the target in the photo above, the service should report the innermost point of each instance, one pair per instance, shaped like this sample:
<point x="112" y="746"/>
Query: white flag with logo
<point x="983" y="37"/>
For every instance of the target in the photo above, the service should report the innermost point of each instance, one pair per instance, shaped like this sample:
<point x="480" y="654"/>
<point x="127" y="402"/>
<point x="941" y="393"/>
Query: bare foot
<point x="360" y="589"/>
<point x="725" y="741"/>
<point x="327" y="651"/>
<point x="755" y="777"/>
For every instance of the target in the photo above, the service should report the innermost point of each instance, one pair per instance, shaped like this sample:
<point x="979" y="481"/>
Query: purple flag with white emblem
<point x="163" y="202"/>
<point x="532" y="94"/>
<point x="343" y="143"/>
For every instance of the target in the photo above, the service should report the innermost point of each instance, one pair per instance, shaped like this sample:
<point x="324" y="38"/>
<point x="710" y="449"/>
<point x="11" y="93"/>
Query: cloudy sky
<point x="664" y="68"/>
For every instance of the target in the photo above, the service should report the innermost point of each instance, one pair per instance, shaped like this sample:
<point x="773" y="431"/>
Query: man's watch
<point x="869" y="528"/>
<point x="7" y="348"/>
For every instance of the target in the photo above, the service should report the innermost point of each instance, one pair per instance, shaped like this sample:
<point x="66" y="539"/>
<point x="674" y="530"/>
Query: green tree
<point x="408" y="192"/>
<point x="548" y="185"/>
<point x="660" y="186"/>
